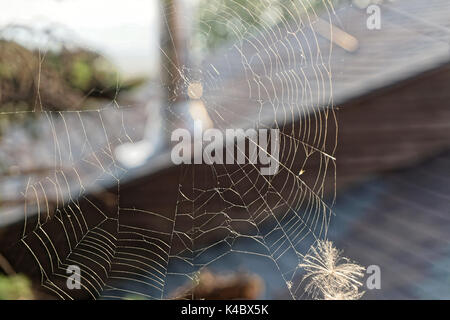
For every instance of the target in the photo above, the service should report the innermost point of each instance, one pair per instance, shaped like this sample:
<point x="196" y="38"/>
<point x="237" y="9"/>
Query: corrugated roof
<point x="272" y="67"/>
<point x="400" y="221"/>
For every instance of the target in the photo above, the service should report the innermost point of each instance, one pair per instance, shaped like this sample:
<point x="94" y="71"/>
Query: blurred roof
<point x="414" y="37"/>
<point x="400" y="221"/>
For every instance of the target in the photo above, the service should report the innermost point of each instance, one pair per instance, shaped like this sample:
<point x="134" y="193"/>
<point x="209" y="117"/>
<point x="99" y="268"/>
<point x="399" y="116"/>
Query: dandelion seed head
<point x="329" y="275"/>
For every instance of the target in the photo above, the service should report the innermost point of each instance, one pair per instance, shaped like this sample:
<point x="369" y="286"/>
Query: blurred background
<point x="91" y="90"/>
<point x="125" y="34"/>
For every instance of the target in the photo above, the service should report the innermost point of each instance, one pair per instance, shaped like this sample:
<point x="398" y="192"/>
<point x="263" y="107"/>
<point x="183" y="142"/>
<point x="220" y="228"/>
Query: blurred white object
<point x="134" y="154"/>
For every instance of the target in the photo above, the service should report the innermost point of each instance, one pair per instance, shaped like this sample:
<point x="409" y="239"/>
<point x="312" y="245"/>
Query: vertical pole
<point x="173" y="49"/>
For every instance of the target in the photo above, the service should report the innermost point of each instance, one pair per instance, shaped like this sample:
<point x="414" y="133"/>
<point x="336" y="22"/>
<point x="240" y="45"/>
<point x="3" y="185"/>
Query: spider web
<point x="273" y="72"/>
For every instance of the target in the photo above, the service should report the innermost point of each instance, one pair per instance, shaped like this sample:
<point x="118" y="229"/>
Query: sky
<point x="124" y="31"/>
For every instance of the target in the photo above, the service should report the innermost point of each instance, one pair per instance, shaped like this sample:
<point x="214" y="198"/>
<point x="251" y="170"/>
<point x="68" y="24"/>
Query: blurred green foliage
<point x="16" y="287"/>
<point x="81" y="74"/>
<point x="55" y="80"/>
<point x="220" y="21"/>
<point x="67" y="78"/>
